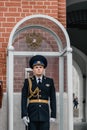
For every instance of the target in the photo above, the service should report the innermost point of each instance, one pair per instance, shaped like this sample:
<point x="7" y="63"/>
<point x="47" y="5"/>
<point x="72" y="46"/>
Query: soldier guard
<point x="36" y="93"/>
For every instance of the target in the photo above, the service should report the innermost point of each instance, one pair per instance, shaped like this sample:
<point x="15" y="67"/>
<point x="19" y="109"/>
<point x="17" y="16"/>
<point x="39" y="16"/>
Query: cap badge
<point x="38" y="62"/>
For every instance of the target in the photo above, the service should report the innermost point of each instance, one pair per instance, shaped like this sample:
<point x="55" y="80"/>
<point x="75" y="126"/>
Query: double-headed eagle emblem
<point x="33" y="40"/>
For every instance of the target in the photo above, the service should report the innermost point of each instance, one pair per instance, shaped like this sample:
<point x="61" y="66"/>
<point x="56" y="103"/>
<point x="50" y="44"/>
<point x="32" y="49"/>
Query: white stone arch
<point x="39" y="16"/>
<point x="80" y="90"/>
<point x="83" y="81"/>
<point x="67" y="50"/>
<point x="57" y="39"/>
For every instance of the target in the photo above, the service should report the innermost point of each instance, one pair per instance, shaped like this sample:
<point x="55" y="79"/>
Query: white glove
<point x="26" y="120"/>
<point x="52" y="119"/>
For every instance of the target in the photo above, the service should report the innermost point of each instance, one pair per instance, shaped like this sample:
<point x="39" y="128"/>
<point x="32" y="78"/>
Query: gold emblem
<point x="33" y="40"/>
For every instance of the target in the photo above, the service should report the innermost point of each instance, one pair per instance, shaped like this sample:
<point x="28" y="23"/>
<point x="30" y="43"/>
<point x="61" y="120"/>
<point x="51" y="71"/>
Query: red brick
<point x="47" y="3"/>
<point x="8" y="24"/>
<point x="12" y="9"/>
<point x="1" y="39"/>
<point x="12" y="14"/>
<point x="10" y="20"/>
<point x="12" y="3"/>
<point x="1" y="14"/>
<point x="1" y="3"/>
<point x="3" y="9"/>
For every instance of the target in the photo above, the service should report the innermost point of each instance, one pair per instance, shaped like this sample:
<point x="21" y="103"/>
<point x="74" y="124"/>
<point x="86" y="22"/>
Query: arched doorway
<point x="80" y="65"/>
<point x="78" y="91"/>
<point x="41" y="34"/>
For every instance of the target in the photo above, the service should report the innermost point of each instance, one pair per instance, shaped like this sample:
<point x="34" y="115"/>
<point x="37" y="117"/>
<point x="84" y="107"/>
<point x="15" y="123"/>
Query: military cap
<point x="38" y="60"/>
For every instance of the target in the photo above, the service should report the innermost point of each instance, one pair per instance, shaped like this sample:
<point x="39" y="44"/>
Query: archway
<point x="80" y="58"/>
<point x="78" y="90"/>
<point x="52" y="29"/>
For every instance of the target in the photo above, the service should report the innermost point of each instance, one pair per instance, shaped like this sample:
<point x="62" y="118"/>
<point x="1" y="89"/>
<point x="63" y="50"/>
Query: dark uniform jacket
<point x="39" y="111"/>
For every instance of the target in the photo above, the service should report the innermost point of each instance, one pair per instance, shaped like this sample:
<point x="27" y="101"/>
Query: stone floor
<point x="77" y="126"/>
<point x="80" y="126"/>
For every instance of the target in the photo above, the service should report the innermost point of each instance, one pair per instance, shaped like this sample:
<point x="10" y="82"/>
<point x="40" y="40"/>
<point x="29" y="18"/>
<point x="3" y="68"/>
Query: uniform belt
<point x="38" y="101"/>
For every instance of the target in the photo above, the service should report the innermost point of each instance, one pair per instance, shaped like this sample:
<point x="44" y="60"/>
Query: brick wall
<point x="12" y="11"/>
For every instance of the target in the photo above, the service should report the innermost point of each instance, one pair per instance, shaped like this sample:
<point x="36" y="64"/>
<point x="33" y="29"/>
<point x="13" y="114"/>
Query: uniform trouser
<point x="38" y="125"/>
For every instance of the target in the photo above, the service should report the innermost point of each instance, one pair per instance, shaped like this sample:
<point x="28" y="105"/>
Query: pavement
<point x="80" y="126"/>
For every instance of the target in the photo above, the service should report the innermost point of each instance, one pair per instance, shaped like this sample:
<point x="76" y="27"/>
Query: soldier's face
<point x="38" y="70"/>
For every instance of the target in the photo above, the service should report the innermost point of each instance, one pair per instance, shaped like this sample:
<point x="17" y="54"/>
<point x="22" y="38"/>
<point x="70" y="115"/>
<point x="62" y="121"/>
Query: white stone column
<point x="69" y="89"/>
<point x="61" y="91"/>
<point x="10" y="87"/>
